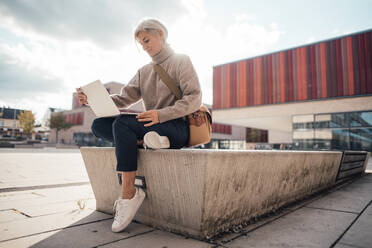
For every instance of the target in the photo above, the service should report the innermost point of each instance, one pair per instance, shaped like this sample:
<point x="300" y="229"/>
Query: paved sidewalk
<point x="64" y="216"/>
<point x="35" y="168"/>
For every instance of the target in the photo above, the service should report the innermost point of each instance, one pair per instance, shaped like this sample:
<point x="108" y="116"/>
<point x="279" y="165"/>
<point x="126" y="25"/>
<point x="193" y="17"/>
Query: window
<point x="303" y="121"/>
<point x="339" y="131"/>
<point x="361" y="119"/>
<point x="256" y="135"/>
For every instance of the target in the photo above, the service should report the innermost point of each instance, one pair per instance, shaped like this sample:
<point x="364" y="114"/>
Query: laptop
<point x="100" y="101"/>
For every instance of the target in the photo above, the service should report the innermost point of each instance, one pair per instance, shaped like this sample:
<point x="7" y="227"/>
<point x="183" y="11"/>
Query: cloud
<point x="210" y="45"/>
<point x="36" y="75"/>
<point x="25" y="87"/>
<point x="311" y="39"/>
<point x="247" y="38"/>
<point x="105" y="22"/>
<point x="17" y="80"/>
<point x="52" y="47"/>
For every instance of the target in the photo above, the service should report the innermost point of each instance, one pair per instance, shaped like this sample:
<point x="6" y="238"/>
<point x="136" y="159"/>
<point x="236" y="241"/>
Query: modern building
<point x="316" y="96"/>
<point x="11" y="129"/>
<point x="48" y="114"/>
<point x="9" y="123"/>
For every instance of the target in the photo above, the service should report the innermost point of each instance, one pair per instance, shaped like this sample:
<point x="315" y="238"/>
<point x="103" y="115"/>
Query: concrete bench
<point x="204" y="192"/>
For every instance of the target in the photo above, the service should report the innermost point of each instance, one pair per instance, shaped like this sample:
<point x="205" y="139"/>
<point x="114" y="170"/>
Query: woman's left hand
<point x="151" y="116"/>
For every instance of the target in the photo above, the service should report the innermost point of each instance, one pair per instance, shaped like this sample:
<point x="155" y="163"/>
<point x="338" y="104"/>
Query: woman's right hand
<point x="81" y="96"/>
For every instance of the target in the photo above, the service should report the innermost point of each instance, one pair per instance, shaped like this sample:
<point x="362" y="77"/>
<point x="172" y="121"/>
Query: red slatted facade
<point x="334" y="68"/>
<point x="75" y="118"/>
<point x="221" y="128"/>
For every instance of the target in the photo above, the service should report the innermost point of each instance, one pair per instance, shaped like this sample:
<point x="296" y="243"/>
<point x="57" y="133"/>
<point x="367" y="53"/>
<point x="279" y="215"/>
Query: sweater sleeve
<point x="191" y="94"/>
<point x="129" y="94"/>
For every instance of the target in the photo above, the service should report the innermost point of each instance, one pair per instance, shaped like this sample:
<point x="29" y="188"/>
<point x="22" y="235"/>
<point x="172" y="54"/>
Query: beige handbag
<point x="200" y="122"/>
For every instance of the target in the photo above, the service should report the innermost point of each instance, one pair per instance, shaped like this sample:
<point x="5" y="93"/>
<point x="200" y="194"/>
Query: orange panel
<point x="258" y="92"/>
<point x="282" y="78"/>
<point x="350" y="69"/>
<point x="323" y="69"/>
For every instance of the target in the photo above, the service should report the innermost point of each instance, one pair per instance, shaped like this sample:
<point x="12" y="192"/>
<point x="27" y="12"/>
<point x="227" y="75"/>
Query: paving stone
<point x="43" y="181"/>
<point x="20" y="228"/>
<point x="344" y="200"/>
<point x="360" y="233"/>
<point x="15" y="196"/>
<point x="34" y="168"/>
<point x="366" y="180"/>
<point x="88" y="235"/>
<point x="53" y="208"/>
<point x="303" y="228"/>
<point x="26" y="241"/>
<point x="81" y="190"/>
<point x="10" y="215"/>
<point x="338" y="245"/>
<point x="45" y="196"/>
<point x="158" y="239"/>
<point x="308" y="230"/>
<point x="360" y="186"/>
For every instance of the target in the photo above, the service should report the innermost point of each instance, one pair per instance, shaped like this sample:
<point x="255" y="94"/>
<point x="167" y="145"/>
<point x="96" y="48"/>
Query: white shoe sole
<point x="154" y="141"/>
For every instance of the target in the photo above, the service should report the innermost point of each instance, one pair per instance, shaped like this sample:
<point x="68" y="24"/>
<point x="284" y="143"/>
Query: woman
<point x="162" y="124"/>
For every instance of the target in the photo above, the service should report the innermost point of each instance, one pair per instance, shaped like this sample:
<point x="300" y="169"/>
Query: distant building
<point x="317" y="96"/>
<point x="9" y="123"/>
<point x="48" y="114"/>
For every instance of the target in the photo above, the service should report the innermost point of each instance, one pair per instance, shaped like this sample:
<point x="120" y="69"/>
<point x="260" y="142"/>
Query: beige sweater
<point x="147" y="85"/>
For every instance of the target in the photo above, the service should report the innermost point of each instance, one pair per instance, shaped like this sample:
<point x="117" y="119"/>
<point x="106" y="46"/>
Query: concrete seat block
<point x="203" y="192"/>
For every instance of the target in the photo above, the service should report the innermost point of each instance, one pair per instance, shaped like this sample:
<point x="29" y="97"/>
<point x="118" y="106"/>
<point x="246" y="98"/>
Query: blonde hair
<point x="152" y="26"/>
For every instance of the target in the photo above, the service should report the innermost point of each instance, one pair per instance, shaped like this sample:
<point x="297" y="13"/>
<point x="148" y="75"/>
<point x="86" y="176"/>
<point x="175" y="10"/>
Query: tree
<point x="58" y="122"/>
<point x="27" y="122"/>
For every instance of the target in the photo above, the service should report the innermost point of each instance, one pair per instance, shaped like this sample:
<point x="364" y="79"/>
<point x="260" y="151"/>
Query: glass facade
<point x="336" y="131"/>
<point x="254" y="135"/>
<point x="224" y="144"/>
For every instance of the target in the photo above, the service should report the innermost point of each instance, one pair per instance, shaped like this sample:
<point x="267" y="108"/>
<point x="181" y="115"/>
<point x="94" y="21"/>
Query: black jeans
<point x="125" y="130"/>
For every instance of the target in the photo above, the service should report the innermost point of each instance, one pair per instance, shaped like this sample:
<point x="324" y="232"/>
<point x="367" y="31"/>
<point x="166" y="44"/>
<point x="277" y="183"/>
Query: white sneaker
<point x="126" y="209"/>
<point x="154" y="141"/>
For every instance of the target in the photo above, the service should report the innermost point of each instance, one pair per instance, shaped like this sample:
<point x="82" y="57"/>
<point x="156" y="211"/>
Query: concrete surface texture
<point x="64" y="216"/>
<point x="204" y="192"/>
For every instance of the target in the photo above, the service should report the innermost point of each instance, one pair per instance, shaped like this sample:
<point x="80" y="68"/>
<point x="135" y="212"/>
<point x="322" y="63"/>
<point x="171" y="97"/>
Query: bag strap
<point x="168" y="81"/>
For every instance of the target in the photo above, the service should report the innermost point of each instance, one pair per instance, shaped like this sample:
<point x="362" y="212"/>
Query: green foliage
<point x="27" y="121"/>
<point x="58" y="122"/>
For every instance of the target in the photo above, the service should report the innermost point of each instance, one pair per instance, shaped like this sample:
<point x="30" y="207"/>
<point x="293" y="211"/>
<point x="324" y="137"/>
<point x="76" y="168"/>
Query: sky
<point x="48" y="47"/>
